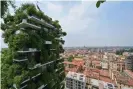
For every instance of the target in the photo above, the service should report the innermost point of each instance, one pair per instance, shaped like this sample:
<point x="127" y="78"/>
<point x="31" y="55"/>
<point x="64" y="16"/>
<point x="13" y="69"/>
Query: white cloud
<point x="79" y="22"/>
<point x="54" y="8"/>
<point x="79" y="17"/>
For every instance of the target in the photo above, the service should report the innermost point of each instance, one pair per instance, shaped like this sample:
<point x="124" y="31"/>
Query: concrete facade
<point x="75" y="81"/>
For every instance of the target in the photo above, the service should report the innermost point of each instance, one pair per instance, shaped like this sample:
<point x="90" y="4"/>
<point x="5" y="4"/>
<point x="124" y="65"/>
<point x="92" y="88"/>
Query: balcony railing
<point x="60" y="69"/>
<point x="36" y="66"/>
<point x="25" y="24"/>
<point x="36" y="76"/>
<point x="22" y="60"/>
<point x="28" y="50"/>
<point x="23" y="87"/>
<point x="52" y="49"/>
<point x="48" y="42"/>
<point x="42" y="86"/>
<point x="58" y="39"/>
<point x="27" y="80"/>
<point x="61" y="72"/>
<point x="33" y="18"/>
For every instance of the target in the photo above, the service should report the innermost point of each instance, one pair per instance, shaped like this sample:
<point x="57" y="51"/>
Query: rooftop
<point x="76" y="76"/>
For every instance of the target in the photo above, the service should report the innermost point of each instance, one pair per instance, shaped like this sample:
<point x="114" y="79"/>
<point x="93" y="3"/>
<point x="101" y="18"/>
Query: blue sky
<point x="86" y="25"/>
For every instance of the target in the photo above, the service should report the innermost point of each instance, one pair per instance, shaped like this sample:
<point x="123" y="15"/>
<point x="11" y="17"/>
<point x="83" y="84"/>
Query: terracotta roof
<point x="130" y="73"/>
<point x="96" y="62"/>
<point x="71" y="69"/>
<point x="98" y="65"/>
<point x="78" y="62"/>
<point x="105" y="79"/>
<point x="124" y="80"/>
<point x="104" y="73"/>
<point x="78" y="59"/>
<point x="74" y="63"/>
<point x="66" y="62"/>
<point x="94" y="70"/>
<point x="95" y="75"/>
<point x="130" y="82"/>
<point x="92" y="73"/>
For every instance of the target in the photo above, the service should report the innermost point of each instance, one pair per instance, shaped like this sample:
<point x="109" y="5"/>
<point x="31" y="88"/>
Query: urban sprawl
<point x="98" y="68"/>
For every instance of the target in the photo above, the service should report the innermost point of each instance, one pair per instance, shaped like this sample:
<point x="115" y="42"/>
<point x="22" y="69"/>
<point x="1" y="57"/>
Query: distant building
<point x="129" y="63"/>
<point x="75" y="81"/>
<point x="104" y="64"/>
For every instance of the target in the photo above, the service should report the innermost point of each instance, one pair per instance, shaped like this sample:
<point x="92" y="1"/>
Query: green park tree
<point x="70" y="58"/>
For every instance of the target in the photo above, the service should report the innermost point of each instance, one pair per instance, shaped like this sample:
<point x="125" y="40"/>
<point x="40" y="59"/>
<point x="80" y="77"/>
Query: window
<point x="80" y="78"/>
<point x="81" y="75"/>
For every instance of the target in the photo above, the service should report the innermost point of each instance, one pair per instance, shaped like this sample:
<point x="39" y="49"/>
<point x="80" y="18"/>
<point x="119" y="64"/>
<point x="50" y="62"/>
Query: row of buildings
<point x="99" y="70"/>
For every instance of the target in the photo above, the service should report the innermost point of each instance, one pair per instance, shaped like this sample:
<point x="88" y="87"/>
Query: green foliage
<point x="4" y="6"/>
<point x="70" y="58"/>
<point x="6" y="59"/>
<point x="17" y="80"/>
<point x="99" y="3"/>
<point x="120" y="52"/>
<point x="28" y="38"/>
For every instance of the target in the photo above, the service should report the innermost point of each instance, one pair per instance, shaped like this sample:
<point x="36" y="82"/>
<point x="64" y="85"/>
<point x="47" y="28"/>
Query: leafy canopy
<point x="99" y="3"/>
<point x="18" y="39"/>
<point x="4" y="6"/>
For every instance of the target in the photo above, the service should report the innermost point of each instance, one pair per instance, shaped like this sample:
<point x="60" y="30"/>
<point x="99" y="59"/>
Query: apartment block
<point x="75" y="81"/>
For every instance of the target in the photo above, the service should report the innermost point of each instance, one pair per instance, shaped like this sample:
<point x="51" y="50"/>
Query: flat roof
<point x="76" y="76"/>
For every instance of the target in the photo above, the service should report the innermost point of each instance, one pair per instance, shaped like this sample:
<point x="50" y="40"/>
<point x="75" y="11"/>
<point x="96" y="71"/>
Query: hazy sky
<point x="86" y="25"/>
